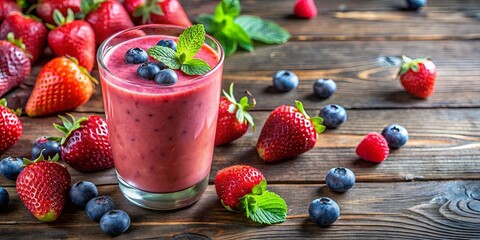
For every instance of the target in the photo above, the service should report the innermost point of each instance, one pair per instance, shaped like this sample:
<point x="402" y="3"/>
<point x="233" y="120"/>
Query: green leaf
<point x="241" y="36"/>
<point x="266" y="208"/>
<point x="263" y="30"/>
<point x="317" y="123"/>
<point x="207" y="21"/>
<point x="229" y="46"/>
<point x="190" y="41"/>
<point x="231" y="7"/>
<point x="260" y="188"/>
<point x="195" y="66"/>
<point x="165" y="55"/>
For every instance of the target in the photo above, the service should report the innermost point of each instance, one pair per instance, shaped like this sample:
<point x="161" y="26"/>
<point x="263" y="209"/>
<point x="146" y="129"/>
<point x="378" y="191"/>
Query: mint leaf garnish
<point x="230" y="7"/>
<point x="263" y="30"/>
<point x="206" y="20"/>
<point x="189" y="43"/>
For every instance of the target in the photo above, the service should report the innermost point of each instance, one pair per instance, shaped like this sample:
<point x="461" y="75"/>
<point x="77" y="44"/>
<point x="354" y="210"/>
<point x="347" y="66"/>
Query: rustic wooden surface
<point x="429" y="189"/>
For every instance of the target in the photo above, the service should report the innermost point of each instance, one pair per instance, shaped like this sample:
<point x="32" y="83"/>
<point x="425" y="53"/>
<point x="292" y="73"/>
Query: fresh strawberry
<point x="28" y="28"/>
<point x="288" y="132"/>
<point x="106" y="17"/>
<point x="42" y="187"/>
<point x="15" y="65"/>
<point x="233" y="118"/>
<point x="373" y="148"/>
<point x="86" y="144"/>
<point x="10" y="126"/>
<point x="305" y="9"/>
<point x="73" y="38"/>
<point x="244" y="188"/>
<point x="418" y="76"/>
<point x="7" y="7"/>
<point x="45" y="8"/>
<point x="61" y="85"/>
<point x="157" y="11"/>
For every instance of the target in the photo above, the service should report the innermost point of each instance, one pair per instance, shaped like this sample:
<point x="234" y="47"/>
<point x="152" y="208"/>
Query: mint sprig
<point x="189" y="43"/>
<point x="233" y="30"/>
<point x="263" y="206"/>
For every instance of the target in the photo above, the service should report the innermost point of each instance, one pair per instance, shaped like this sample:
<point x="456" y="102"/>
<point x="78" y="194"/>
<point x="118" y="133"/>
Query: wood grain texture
<point x="430" y="210"/>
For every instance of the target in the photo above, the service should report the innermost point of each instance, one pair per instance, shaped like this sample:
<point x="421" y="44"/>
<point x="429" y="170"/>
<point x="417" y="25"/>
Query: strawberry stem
<point x="410" y="64"/>
<point x="3" y="102"/>
<point x="316" y="121"/>
<point x="67" y="128"/>
<point x="241" y="108"/>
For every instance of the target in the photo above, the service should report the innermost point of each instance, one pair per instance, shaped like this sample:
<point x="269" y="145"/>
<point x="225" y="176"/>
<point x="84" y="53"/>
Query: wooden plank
<point x="444" y="144"/>
<point x="430" y="210"/>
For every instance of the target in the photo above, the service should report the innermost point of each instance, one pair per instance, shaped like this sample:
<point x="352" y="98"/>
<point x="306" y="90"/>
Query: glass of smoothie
<point x="162" y="137"/>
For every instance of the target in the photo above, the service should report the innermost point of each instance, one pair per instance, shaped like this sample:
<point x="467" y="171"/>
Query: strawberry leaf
<point x="317" y="123"/>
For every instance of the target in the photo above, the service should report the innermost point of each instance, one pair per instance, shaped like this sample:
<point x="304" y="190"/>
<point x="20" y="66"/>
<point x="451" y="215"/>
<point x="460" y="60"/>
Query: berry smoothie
<point x="162" y="137"/>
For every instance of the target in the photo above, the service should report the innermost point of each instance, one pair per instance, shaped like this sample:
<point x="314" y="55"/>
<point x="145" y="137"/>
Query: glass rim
<point x="194" y="80"/>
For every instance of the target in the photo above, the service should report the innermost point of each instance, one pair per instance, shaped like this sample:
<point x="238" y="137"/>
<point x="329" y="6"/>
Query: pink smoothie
<point x="162" y="136"/>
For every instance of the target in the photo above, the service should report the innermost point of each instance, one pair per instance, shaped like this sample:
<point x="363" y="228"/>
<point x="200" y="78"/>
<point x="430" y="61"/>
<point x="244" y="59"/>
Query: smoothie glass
<point x="162" y="137"/>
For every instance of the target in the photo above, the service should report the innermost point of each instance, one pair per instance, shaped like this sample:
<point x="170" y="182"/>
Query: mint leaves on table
<point x="263" y="206"/>
<point x="189" y="43"/>
<point x="233" y="30"/>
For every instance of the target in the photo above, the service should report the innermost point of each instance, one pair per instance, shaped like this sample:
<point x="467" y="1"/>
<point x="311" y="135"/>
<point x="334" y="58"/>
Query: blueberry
<point x="168" y="43"/>
<point x="333" y="115"/>
<point x="136" y="55"/>
<point x="148" y="70"/>
<point x="161" y="65"/>
<point x="10" y="167"/>
<point x="324" y="88"/>
<point x="323" y="211"/>
<point x="340" y="179"/>
<point x="81" y="192"/>
<point x="166" y="77"/>
<point x="416" y="4"/>
<point x="285" y="81"/>
<point x="98" y="206"/>
<point x="115" y="222"/>
<point x="49" y="147"/>
<point x="4" y="198"/>
<point x="395" y="135"/>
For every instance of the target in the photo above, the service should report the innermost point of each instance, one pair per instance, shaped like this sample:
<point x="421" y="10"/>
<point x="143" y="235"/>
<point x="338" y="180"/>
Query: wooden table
<point x="429" y="189"/>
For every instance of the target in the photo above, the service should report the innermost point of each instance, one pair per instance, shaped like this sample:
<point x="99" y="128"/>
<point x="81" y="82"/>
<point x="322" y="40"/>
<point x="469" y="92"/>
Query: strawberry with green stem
<point x="288" y="132"/>
<point x="157" y="11"/>
<point x="10" y="126"/>
<point x="233" y="117"/>
<point x="418" y="76"/>
<point x="42" y="186"/>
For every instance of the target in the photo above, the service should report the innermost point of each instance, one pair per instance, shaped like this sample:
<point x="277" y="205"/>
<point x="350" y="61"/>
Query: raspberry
<point x="373" y="148"/>
<point x="305" y="9"/>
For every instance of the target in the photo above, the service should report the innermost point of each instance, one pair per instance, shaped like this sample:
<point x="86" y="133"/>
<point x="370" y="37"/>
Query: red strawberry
<point x="418" y="76"/>
<point x="7" y="7"/>
<point x="42" y="186"/>
<point x="73" y="38"/>
<point x="106" y="17"/>
<point x="45" y="8"/>
<point x="288" y="132"/>
<point x="233" y="118"/>
<point x="86" y="144"/>
<point x="305" y="9"/>
<point x="373" y="148"/>
<point x="10" y="126"/>
<point x="15" y="65"/>
<point x="28" y="28"/>
<point x="61" y="85"/>
<point x="244" y="188"/>
<point x="157" y="11"/>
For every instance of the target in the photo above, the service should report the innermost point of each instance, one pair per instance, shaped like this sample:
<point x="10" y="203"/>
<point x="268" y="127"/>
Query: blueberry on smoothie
<point x="136" y="55"/>
<point x="98" y="206"/>
<point x="148" y="70"/>
<point x="10" y="167"/>
<point x="340" y="179"/>
<point x="395" y="135"/>
<point x="81" y="192"/>
<point x="115" y="222"/>
<point x="324" y="88"/>
<point x="285" y="80"/>
<point x="166" y="77"/>
<point x="333" y="115"/>
<point x="168" y="43"/>
<point x="323" y="211"/>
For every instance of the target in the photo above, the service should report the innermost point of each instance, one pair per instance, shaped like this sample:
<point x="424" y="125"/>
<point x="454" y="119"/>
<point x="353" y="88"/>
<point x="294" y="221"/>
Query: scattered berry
<point x="395" y="135"/>
<point x="136" y="55"/>
<point x="45" y="8"/>
<point x="340" y="179"/>
<point x="148" y="70"/>
<point x="10" y="167"/>
<point x="166" y="77"/>
<point x="333" y="115"/>
<point x="324" y="88"/>
<point x="15" y="64"/>
<point x="161" y="65"/>
<point x="98" y="206"/>
<point x="115" y="222"/>
<point x="373" y="148"/>
<point x="418" y="76"/>
<point x="285" y="80"/>
<point x="48" y="148"/>
<point x="168" y="43"/>
<point x="164" y="12"/>
<point x="4" y="198"/>
<point x="323" y="211"/>
<point x="416" y="4"/>
<point x="305" y="9"/>
<point x="10" y="124"/>
<point x="81" y="192"/>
